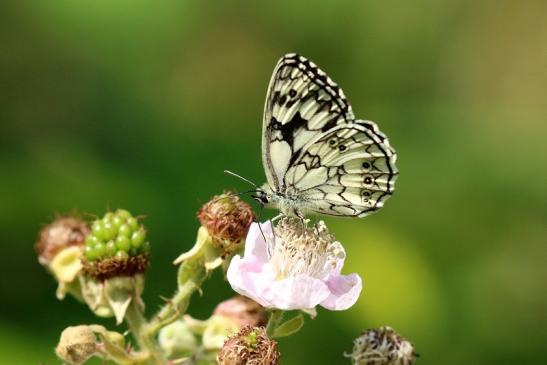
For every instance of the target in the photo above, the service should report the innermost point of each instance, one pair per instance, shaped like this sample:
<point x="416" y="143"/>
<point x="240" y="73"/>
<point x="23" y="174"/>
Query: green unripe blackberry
<point x="116" y="231"/>
<point x="123" y="243"/>
<point x="116" y="246"/>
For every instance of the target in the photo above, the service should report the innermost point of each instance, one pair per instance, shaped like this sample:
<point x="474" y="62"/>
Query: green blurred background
<point x="142" y="105"/>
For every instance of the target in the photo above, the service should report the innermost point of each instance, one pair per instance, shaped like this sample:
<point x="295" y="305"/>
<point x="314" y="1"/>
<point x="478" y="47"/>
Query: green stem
<point x="121" y="357"/>
<point x="191" y="275"/>
<point x="276" y="315"/>
<point x="137" y="323"/>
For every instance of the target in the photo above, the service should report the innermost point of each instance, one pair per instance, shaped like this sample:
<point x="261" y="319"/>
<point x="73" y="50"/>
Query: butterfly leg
<point x="262" y="232"/>
<point x="300" y="216"/>
<point x="315" y="226"/>
<point x="273" y="230"/>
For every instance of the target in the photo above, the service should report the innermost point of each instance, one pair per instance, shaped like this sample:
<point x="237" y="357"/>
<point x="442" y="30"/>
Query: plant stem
<point x="137" y="323"/>
<point x="191" y="275"/>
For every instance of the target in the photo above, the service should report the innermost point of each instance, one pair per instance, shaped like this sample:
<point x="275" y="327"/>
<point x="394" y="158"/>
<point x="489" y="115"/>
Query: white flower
<point x="297" y="268"/>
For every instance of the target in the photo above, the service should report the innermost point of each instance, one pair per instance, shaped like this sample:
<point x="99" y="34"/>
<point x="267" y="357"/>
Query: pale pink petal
<point x="255" y="246"/>
<point x="344" y="291"/>
<point x="296" y="292"/>
<point x="254" y="276"/>
<point x="248" y="279"/>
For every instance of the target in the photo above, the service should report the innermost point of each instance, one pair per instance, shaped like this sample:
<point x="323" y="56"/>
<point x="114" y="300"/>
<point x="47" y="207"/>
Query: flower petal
<point x="247" y="279"/>
<point x="296" y="292"/>
<point x="256" y="248"/>
<point x="344" y="291"/>
<point x="66" y="265"/>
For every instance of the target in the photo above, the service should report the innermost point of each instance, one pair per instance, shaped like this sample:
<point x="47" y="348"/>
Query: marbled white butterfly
<point x="318" y="158"/>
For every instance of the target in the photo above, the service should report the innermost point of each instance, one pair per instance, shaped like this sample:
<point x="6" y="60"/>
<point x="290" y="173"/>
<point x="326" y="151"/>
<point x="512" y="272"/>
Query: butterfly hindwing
<point x="348" y="171"/>
<point x="302" y="103"/>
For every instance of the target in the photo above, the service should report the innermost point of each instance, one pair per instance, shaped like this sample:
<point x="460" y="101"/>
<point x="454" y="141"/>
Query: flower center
<point x="297" y="249"/>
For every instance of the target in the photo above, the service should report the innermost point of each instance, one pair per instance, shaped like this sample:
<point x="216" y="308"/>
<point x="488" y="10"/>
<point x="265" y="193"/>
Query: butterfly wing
<point x="347" y="171"/>
<point x="302" y="104"/>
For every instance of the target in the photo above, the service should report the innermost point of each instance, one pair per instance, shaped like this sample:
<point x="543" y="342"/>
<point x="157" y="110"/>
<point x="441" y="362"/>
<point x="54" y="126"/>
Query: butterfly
<point x="317" y="157"/>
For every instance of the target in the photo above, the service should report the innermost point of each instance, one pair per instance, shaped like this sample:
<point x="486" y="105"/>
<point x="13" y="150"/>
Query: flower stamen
<point x="303" y="250"/>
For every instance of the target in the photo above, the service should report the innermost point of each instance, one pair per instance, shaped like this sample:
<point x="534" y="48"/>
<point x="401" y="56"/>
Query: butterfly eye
<point x="367" y="180"/>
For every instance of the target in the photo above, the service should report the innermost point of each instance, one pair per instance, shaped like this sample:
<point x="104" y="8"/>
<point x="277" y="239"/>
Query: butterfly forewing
<point x="315" y="153"/>
<point x="302" y="103"/>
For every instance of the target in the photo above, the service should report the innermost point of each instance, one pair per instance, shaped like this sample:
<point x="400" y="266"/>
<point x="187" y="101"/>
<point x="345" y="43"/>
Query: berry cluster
<point x="118" y="234"/>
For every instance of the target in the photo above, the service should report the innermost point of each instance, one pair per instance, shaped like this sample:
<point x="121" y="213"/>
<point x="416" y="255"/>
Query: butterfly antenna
<point x="228" y="172"/>
<point x="233" y="194"/>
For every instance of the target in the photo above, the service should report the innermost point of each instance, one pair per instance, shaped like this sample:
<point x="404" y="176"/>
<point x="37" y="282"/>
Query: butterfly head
<point x="261" y="197"/>
<point x="265" y="196"/>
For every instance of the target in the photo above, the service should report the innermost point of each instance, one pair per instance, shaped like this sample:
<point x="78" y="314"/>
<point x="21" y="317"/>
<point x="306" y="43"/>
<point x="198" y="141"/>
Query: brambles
<point x="286" y="266"/>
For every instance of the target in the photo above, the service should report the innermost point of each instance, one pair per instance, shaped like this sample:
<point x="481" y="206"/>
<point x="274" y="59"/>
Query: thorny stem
<point x="191" y="275"/>
<point x="136" y="322"/>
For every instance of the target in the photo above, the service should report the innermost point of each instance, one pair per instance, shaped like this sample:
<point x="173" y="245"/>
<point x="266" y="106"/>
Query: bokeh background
<point x="142" y="104"/>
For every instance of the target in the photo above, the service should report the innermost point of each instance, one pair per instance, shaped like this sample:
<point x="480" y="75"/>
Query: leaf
<point x="289" y="327"/>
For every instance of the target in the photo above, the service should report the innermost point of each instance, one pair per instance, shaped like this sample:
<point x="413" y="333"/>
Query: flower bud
<point x="251" y="345"/>
<point x="243" y="311"/>
<point x="76" y="345"/>
<point x="63" y="232"/>
<point x="116" y="247"/>
<point x="217" y="330"/>
<point x="227" y="219"/>
<point x="382" y="346"/>
<point x="177" y="340"/>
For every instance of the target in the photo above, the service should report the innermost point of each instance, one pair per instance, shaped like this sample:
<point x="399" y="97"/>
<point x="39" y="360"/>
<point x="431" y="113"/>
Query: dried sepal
<point x="382" y="346"/>
<point x="250" y="346"/>
<point x="63" y="232"/>
<point x="77" y="345"/>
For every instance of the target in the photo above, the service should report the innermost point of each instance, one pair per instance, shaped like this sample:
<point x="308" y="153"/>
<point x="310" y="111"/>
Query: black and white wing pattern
<point x="302" y="103"/>
<point x="349" y="171"/>
<point x="314" y="151"/>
